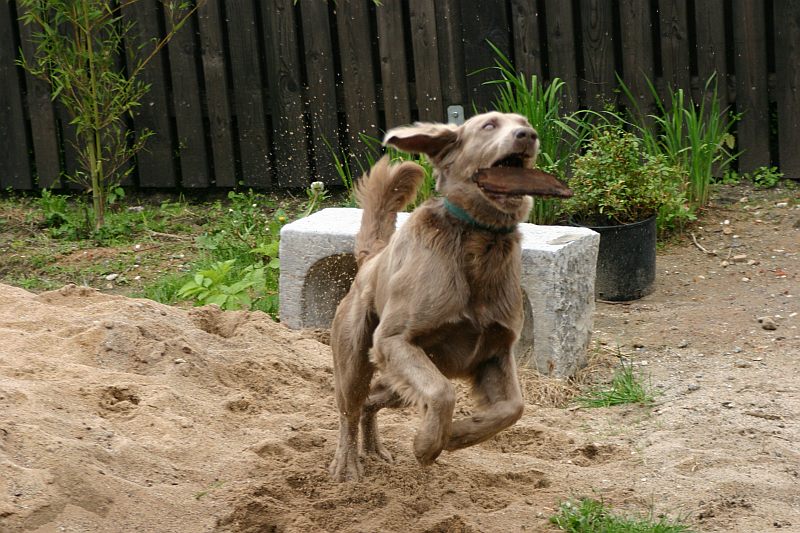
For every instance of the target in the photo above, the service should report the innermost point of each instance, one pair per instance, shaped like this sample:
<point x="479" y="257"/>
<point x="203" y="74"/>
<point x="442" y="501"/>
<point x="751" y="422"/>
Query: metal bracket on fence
<point x="455" y="115"/>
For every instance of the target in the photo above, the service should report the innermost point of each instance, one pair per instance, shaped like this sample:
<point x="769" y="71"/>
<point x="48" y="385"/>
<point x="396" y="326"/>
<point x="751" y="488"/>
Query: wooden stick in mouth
<point x="518" y="181"/>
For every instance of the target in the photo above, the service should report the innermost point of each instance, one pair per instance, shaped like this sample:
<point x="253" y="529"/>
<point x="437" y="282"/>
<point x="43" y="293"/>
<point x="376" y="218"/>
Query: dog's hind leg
<point x="380" y="396"/>
<point x="350" y="343"/>
<point x="496" y="389"/>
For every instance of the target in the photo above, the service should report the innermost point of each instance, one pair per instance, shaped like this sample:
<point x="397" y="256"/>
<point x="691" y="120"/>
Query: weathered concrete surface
<point x="558" y="272"/>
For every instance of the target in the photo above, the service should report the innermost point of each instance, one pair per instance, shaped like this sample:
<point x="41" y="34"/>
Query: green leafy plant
<point x="765" y="177"/>
<point x="588" y="515"/>
<point x="64" y="217"/>
<point x="694" y="136"/>
<point x="77" y="45"/>
<point x="244" y="226"/>
<point x="217" y="285"/>
<point x="54" y="209"/>
<point x="729" y="177"/>
<point x="115" y="194"/>
<point x="241" y="251"/>
<point x="625" y="388"/>
<point x="615" y="182"/>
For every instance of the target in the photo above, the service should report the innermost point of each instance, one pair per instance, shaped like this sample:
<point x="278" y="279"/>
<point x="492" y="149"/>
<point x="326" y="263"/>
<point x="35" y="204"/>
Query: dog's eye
<point x="488" y="126"/>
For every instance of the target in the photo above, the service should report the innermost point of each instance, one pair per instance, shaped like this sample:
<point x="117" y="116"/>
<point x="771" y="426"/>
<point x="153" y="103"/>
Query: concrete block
<point x="558" y="272"/>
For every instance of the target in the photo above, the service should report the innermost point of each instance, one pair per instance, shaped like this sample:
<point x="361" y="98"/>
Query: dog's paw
<point x="426" y="449"/>
<point x="428" y="457"/>
<point x="346" y="466"/>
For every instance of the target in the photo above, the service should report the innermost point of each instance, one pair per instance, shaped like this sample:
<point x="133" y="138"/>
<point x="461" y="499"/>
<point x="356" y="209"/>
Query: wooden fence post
<point x="15" y="170"/>
<point x="750" y="51"/>
<point x="787" y="71"/>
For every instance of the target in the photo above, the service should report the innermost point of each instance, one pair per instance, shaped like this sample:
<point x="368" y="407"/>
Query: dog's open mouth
<point x="513" y="161"/>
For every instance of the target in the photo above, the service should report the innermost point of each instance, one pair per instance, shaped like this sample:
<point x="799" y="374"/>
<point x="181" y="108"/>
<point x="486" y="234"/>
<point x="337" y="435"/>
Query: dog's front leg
<point x="496" y="389"/>
<point x="407" y="369"/>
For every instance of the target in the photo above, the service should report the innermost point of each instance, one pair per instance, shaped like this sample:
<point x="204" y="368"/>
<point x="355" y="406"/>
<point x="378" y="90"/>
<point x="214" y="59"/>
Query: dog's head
<point x="484" y="142"/>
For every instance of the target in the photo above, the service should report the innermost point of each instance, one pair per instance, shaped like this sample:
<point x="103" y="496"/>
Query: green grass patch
<point x="591" y="516"/>
<point x="33" y="283"/>
<point x="626" y="387"/>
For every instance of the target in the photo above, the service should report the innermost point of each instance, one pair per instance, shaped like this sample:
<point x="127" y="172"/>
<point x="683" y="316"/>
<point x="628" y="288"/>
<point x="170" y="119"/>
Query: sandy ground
<point x="122" y="415"/>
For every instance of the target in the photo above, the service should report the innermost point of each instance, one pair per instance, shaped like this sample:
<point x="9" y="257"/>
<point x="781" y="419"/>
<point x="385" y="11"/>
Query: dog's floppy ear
<point x="427" y="138"/>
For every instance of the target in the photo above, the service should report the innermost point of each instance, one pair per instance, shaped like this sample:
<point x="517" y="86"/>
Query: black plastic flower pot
<point x="626" y="260"/>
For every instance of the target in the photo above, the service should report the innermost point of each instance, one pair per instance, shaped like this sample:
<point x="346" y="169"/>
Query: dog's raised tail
<point x="384" y="191"/>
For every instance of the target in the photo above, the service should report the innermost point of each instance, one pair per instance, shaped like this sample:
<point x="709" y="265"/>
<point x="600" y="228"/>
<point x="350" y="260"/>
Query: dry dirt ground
<point x="122" y="415"/>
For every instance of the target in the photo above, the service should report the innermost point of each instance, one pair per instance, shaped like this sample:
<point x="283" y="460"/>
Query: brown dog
<point x="441" y="297"/>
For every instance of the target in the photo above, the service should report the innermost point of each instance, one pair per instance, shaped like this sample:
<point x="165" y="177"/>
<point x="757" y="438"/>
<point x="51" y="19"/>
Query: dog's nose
<point x="525" y="133"/>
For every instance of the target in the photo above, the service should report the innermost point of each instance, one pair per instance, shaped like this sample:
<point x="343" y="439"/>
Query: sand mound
<point x="127" y="415"/>
<point x="121" y="415"/>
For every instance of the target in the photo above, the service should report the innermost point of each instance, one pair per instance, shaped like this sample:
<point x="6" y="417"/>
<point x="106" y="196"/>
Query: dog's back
<point x="382" y="193"/>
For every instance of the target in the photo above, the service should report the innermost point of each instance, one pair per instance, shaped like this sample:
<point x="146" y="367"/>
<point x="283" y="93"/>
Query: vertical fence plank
<point x="286" y="99"/>
<point x="561" y="53"/>
<point x="750" y="51"/>
<point x="637" y="45"/>
<point x="597" y="29"/>
<point x="394" y="73"/>
<point x="675" y="44"/>
<point x="358" y="77"/>
<point x="321" y="89"/>
<point x="217" y="98"/>
<point x="250" y="110"/>
<point x="710" y="23"/>
<point x="191" y="141"/>
<point x="527" y="41"/>
<point x="155" y="163"/>
<point x="15" y="171"/>
<point x="787" y="50"/>
<point x="42" y="116"/>
<point x="425" y="47"/>
<point x="482" y="22"/>
<point x="72" y="156"/>
<point x="451" y="52"/>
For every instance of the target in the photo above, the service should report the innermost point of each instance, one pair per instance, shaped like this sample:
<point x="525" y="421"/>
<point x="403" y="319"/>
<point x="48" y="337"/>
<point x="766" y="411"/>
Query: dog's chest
<point x="491" y="270"/>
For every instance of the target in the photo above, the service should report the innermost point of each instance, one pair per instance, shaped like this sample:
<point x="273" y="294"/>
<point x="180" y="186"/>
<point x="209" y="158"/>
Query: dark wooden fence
<point x="258" y="92"/>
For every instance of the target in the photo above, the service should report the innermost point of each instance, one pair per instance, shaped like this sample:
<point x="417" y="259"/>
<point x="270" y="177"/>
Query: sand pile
<point x="126" y="415"/>
<point x="122" y="415"/>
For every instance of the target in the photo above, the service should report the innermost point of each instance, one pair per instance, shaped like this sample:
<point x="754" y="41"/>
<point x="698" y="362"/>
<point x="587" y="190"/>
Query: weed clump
<point x="588" y="515"/>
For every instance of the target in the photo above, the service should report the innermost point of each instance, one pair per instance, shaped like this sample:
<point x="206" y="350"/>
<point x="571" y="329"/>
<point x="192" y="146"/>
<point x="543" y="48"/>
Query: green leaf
<point x="219" y="299"/>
